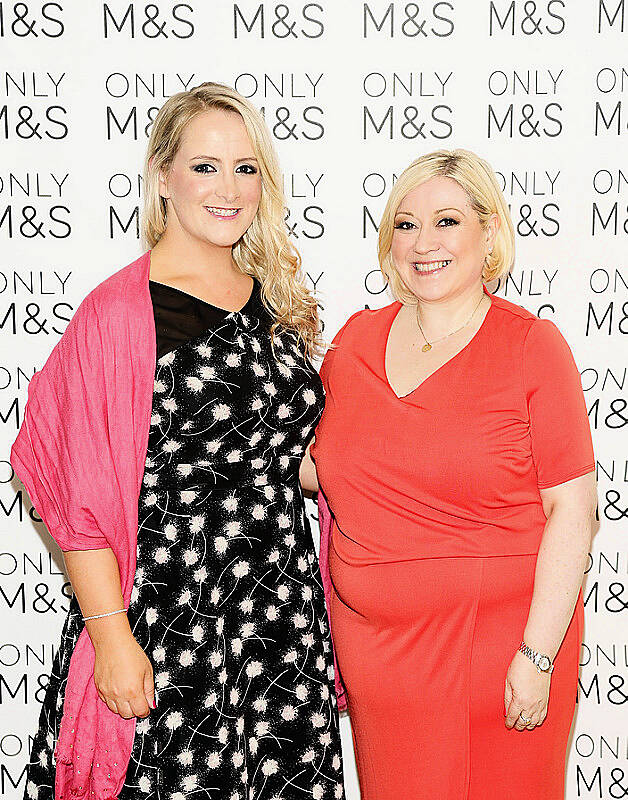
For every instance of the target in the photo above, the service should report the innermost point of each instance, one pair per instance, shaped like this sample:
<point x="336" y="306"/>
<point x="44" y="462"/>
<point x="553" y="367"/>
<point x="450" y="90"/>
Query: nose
<point x="227" y="187"/>
<point x="425" y="240"/>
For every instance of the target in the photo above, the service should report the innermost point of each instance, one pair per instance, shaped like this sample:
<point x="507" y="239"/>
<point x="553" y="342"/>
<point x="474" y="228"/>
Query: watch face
<point x="544" y="663"/>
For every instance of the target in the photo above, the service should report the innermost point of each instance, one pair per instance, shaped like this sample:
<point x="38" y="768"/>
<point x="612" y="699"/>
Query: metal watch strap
<point x="535" y="658"/>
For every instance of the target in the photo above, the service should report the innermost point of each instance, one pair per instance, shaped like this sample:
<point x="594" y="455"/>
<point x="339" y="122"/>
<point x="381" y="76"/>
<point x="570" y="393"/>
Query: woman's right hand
<point x="124" y="676"/>
<point x="122" y="673"/>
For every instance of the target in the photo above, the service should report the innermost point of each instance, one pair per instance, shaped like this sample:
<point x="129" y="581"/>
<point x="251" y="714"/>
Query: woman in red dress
<point x="456" y="457"/>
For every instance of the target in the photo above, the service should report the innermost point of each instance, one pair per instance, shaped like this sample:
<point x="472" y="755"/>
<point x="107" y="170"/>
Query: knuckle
<point x="529" y="703"/>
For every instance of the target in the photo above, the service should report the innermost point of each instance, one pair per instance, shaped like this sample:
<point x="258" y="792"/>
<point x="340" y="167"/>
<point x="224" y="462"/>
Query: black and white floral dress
<point x="227" y="599"/>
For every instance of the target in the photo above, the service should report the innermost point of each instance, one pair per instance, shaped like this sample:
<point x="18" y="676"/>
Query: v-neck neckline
<point x="427" y="379"/>
<point x="195" y="298"/>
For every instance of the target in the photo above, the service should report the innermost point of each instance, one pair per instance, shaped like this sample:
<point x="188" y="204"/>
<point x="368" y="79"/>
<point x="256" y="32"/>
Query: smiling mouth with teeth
<point x="431" y="266"/>
<point x="222" y="212"/>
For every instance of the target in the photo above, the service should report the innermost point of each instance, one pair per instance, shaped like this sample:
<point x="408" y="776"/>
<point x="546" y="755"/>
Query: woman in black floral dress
<point x="227" y="603"/>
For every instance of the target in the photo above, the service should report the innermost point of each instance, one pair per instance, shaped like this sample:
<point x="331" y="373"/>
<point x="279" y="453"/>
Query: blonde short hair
<point x="478" y="180"/>
<point x="264" y="251"/>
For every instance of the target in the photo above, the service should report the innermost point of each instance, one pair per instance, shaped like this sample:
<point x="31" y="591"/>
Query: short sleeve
<point x="327" y="365"/>
<point x="61" y="452"/>
<point x="559" y="426"/>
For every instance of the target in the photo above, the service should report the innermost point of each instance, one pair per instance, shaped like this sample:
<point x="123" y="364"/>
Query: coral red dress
<point x="438" y="521"/>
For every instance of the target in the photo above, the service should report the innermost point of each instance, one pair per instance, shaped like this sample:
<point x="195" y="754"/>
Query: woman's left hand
<point x="307" y="471"/>
<point x="526" y="692"/>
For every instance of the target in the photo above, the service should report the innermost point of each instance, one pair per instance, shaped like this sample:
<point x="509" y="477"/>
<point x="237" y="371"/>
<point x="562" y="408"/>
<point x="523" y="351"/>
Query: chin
<point x="225" y="241"/>
<point x="430" y="297"/>
<point x="428" y="289"/>
<point x="222" y="238"/>
<point x="225" y="235"/>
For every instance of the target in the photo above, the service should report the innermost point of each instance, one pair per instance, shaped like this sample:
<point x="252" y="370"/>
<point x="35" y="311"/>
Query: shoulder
<point x="546" y="349"/>
<point x="364" y="320"/>
<point x="515" y="322"/>
<point x="124" y="289"/>
<point x="354" y="336"/>
<point x="120" y="302"/>
<point x="511" y="313"/>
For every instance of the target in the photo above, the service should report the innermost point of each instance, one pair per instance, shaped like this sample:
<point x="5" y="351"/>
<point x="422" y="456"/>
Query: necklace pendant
<point x="427" y="346"/>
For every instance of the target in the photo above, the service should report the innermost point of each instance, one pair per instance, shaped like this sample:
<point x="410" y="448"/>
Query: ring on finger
<point x="524" y="719"/>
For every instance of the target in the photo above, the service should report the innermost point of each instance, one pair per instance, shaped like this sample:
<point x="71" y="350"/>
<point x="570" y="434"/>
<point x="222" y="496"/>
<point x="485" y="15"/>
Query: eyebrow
<point x="213" y="158"/>
<point x="438" y="211"/>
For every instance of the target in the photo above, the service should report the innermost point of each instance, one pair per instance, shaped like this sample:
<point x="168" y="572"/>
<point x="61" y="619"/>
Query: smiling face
<point x="213" y="186"/>
<point x="438" y="244"/>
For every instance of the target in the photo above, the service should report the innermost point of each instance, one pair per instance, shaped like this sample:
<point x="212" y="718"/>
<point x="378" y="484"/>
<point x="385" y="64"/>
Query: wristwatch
<point x="541" y="662"/>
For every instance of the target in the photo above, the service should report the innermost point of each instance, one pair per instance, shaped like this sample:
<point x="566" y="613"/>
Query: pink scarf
<point x="80" y="453"/>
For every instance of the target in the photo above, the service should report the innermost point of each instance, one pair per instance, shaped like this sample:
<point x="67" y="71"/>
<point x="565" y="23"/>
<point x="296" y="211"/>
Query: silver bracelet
<point x="108" y="614"/>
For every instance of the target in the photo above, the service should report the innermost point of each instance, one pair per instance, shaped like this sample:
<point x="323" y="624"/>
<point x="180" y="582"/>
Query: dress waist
<point x="209" y="479"/>
<point x="369" y="547"/>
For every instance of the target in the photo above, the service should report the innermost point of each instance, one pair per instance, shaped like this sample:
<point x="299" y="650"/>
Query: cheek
<point x="252" y="192"/>
<point x="398" y="249"/>
<point x="185" y="187"/>
<point x="468" y="247"/>
<point x="466" y="241"/>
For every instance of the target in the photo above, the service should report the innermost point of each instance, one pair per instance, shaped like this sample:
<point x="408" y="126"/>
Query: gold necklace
<point x="428" y="345"/>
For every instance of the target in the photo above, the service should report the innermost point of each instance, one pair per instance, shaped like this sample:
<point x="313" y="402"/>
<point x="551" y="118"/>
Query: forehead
<point x="216" y="133"/>
<point x="438" y="192"/>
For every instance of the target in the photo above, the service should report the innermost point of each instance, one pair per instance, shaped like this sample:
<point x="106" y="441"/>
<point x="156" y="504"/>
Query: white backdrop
<point x="352" y="92"/>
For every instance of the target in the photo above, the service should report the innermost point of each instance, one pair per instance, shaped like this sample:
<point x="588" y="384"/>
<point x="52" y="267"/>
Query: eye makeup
<point x="206" y="169"/>
<point x="449" y="221"/>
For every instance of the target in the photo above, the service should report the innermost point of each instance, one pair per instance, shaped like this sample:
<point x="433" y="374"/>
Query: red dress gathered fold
<point x="438" y="521"/>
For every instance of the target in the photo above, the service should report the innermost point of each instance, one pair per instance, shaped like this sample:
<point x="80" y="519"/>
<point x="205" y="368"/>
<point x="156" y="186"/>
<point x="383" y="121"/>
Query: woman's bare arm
<point x="570" y="509"/>
<point x="560" y="566"/>
<point x="122" y="673"/>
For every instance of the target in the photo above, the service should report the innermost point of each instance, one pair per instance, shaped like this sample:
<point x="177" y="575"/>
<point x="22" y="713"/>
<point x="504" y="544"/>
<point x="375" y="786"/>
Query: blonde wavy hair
<point x="478" y="180"/>
<point x="264" y="251"/>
